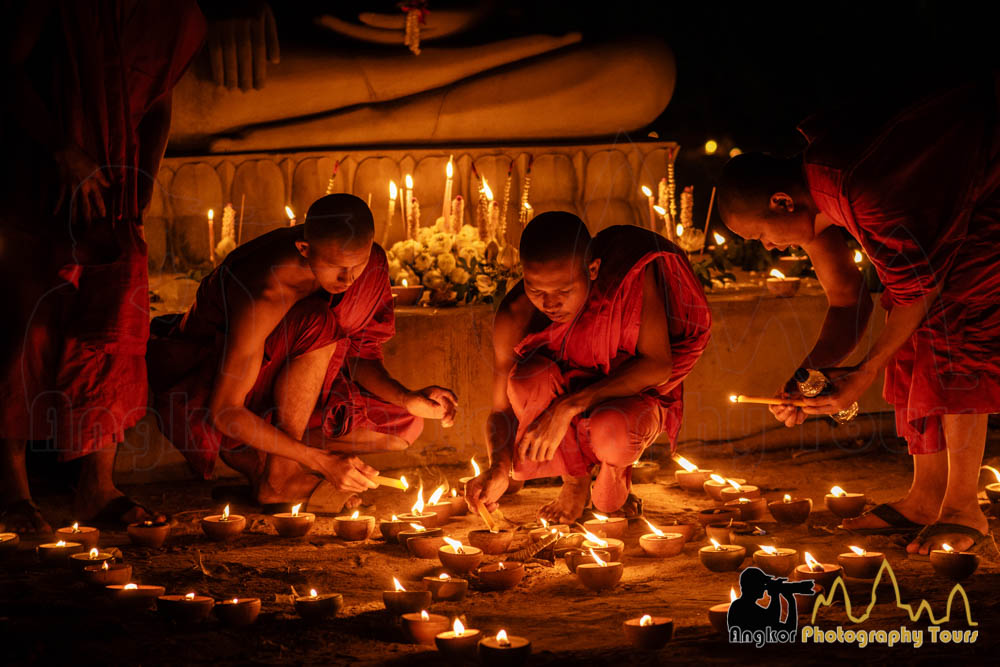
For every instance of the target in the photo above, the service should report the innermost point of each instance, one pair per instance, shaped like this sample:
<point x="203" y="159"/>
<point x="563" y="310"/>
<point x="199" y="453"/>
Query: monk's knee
<point x="531" y="379"/>
<point x="612" y="437"/>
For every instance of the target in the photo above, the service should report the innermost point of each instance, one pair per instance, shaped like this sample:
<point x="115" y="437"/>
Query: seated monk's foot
<point x="293" y="489"/>
<point x="353" y="503"/>
<point x="24" y="517"/>
<point x="971" y="517"/>
<point x="247" y="461"/>
<point x="111" y="509"/>
<point x="568" y="506"/>
<point x="914" y="507"/>
<point x="610" y="488"/>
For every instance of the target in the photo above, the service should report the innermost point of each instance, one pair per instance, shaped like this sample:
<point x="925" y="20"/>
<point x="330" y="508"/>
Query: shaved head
<point x="341" y="218"/>
<point x="556" y="235"/>
<point x="558" y="269"/>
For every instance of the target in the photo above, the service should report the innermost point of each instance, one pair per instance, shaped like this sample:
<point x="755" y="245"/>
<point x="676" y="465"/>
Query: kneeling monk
<point x="590" y="350"/>
<point x="278" y="363"/>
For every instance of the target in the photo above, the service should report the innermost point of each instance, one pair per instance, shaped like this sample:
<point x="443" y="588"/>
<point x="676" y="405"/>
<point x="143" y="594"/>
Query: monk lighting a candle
<point x="555" y="330"/>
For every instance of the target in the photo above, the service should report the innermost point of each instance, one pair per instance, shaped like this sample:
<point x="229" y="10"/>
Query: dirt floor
<point x="48" y="615"/>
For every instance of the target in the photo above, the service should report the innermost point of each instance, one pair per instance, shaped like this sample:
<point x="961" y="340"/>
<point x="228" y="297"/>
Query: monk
<point x="917" y="186"/>
<point x="590" y="351"/>
<point x="277" y="365"/>
<point x="87" y="114"/>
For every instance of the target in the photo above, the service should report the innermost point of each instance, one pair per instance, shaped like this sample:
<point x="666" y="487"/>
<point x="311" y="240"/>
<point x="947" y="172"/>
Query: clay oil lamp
<point x="406" y="294"/>
<point x="188" y="608"/>
<point x="106" y="573"/>
<point x="85" y="535"/>
<point x="790" y="511"/>
<point x="690" y="477"/>
<point x="599" y="575"/>
<point x="718" y="615"/>
<point x="780" y="286"/>
<point x="843" y="504"/>
<point x="722" y="557"/>
<point x="58" y="553"/>
<point x="391" y="528"/>
<point x="93" y="557"/>
<point x="955" y="565"/>
<point x="504" y="650"/>
<point x="458" y="505"/>
<point x="746" y="535"/>
<point x="354" y="528"/>
<point x="501" y="576"/>
<point x="414" y="530"/>
<point x="421" y="628"/>
<point x="661" y="544"/>
<point x="425" y="546"/>
<point x="613" y="546"/>
<point x="458" y="558"/>
<point x="459" y="643"/>
<point x="9" y="542"/>
<point x="401" y="601"/>
<point x="546" y="529"/>
<point x="445" y="588"/>
<point x="716" y="483"/>
<point x="688" y="530"/>
<point x="823" y="574"/>
<point x="492" y="542"/>
<point x="776" y="561"/>
<point x="237" y="612"/>
<point x="294" y="523"/>
<point x="223" y="527"/>
<point x="417" y="514"/>
<point x="717" y="515"/>
<point x="603" y="526"/>
<point x="441" y="508"/>
<point x="861" y="564"/>
<point x="649" y="633"/>
<point x="736" y="490"/>
<point x="644" y="472"/>
<point x="993" y="489"/>
<point x="150" y="534"/>
<point x="135" y="596"/>
<point x="314" y="607"/>
<point x="721" y="532"/>
<point x="750" y="509"/>
<point x="576" y="557"/>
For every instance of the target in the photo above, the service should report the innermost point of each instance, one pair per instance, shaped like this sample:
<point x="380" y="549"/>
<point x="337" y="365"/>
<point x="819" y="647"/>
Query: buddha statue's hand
<point x="242" y="39"/>
<point x="390" y="28"/>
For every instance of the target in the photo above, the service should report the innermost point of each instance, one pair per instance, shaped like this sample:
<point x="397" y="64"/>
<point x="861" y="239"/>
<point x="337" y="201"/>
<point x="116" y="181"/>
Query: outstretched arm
<point x="431" y="402"/>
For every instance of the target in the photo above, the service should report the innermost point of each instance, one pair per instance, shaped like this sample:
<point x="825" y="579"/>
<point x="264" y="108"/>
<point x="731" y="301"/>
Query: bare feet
<point x="917" y="510"/>
<point x="972" y="517"/>
<point x="568" y="506"/>
<point x="292" y="489"/>
<point x="610" y="489"/>
<point x="24" y="517"/>
<point x="93" y="504"/>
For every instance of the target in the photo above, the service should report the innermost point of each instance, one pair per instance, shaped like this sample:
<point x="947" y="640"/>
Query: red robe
<point x="79" y="376"/>
<point x="921" y="194"/>
<point x="184" y="362"/>
<point x="604" y="335"/>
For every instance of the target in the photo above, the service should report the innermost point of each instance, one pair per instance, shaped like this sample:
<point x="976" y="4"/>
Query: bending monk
<point x="87" y="114"/>
<point x="590" y="350"/>
<point x="277" y="366"/>
<point x="918" y="189"/>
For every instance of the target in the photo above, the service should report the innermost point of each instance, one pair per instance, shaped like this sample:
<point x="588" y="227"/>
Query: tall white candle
<point x="211" y="236"/>
<point x="446" y="202"/>
<point x="393" y="191"/>
<point x="408" y="206"/>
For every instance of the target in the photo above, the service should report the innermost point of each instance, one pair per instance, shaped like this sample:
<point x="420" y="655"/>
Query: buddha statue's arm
<point x="389" y="28"/>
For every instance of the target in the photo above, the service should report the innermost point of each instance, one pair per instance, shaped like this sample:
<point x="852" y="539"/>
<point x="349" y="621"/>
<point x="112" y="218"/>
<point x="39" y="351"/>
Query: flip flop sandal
<point x="326" y="500"/>
<point x="26" y="509"/>
<point x="110" y="516"/>
<point x="898" y="523"/>
<point x="983" y="543"/>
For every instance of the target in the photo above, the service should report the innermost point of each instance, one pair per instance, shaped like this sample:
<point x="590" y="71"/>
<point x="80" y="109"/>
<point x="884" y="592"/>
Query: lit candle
<point x="294" y="523"/>
<point x="690" y="477"/>
<point x="291" y="216"/>
<point x="408" y="206"/>
<point x="661" y="544"/>
<point x="58" y="553"/>
<point x="391" y="528"/>
<point x="843" y="504"/>
<point x="574" y="558"/>
<point x="401" y="601"/>
<point x="823" y="574"/>
<point x="238" y="612"/>
<point x="459" y="643"/>
<point x="476" y="471"/>
<point x="955" y="565"/>
<point x="151" y="534"/>
<point x="421" y="628"/>
<point x="492" y="542"/>
<point x="418" y="514"/>
<point x="736" y="490"/>
<point x="504" y="650"/>
<point x="750" y="509"/>
<point x="993" y="489"/>
<point x="860" y="564"/>
<point x="189" y="608"/>
<point x="649" y="633"/>
<point x="415" y="530"/>
<point x="446" y="202"/>
<point x="422" y="543"/>
<point x="790" y="511"/>
<point x="314" y="606"/>
<point x="714" y="486"/>
<point x="718" y="614"/>
<point x="211" y="236"/>
<point x="140" y="596"/>
<point x="485" y="203"/>
<point x="775" y="561"/>
<point x="354" y="528"/>
<point x="223" y="526"/>
<point x="615" y="546"/>
<point x="722" y="557"/>
<point x="442" y="508"/>
<point x="85" y="535"/>
<point x="648" y="194"/>
<point x="106" y="574"/>
<point x="501" y="576"/>
<point x="92" y="557"/>
<point x="9" y="542"/>
<point x="446" y="588"/>
<point x="459" y="558"/>
<point x="599" y="575"/>
<point x="607" y="526"/>
<point x="781" y="286"/>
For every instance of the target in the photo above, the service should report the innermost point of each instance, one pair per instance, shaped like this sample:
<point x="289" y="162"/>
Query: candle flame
<point x="719" y="238"/>
<point x="94" y="553"/>
<point x="660" y="211"/>
<point x="858" y="550"/>
<point x="417" y="527"/>
<point x="838" y="492"/>
<point x="436" y="496"/>
<point x="76" y="527"/>
<point x="104" y="565"/>
<point x="775" y="273"/>
<point x="732" y="595"/>
<point x="502" y="638"/>
<point x="996" y="473"/>
<point x="61" y="543"/>
<point x="768" y="549"/>
<point x="295" y="509"/>
<point x="235" y="600"/>
<point x="527" y="206"/>
<point x="225" y="513"/>
<point x="743" y="501"/>
<point x="711" y="146"/>
<point x="646" y="192"/>
<point x="500" y="566"/>
<point x="130" y="587"/>
<point x="594" y="539"/>
<point x="646" y="621"/>
<point x="418" y="507"/>
<point x="189" y="596"/>
<point x="813" y="564"/>
<point x="597" y="559"/>
<point x="718" y="479"/>
<point x="355" y="515"/>
<point x="454" y="493"/>
<point x="393" y="190"/>
<point x="715" y="544"/>
<point x="733" y="483"/>
<point x="449" y="170"/>
<point x="455" y="544"/>
<point x="656" y="531"/>
<point x="947" y="547"/>
<point x="398" y="586"/>
<point x="545" y="524"/>
<point x="680" y="230"/>
<point x="289" y="212"/>
<point x="444" y="576"/>
<point x="409" y="182"/>
<point x="733" y="398"/>
<point x="394" y="518"/>
<point x="600" y="517"/>
<point x="406" y="283"/>
<point x="402" y="478"/>
<point x="475" y="468"/>
<point x="787" y="498"/>
<point x="486" y="190"/>
<point x="313" y="593"/>
<point x="424" y="616"/>
<point x="211" y="214"/>
<point x="684" y="463"/>
<point x="858" y="257"/>
<point x="458" y="628"/>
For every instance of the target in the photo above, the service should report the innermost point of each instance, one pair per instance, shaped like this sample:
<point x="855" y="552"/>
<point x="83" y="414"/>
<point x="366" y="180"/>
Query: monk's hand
<point x="540" y="441"/>
<point x="487" y="488"/>
<point x="346" y="473"/>
<point x="847" y="385"/>
<point x="242" y="39"/>
<point x="433" y="403"/>
<point x="788" y="415"/>
<point x="82" y="183"/>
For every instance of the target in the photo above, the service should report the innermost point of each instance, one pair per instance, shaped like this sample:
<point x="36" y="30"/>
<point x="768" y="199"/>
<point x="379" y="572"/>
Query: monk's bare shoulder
<point x="514" y="318"/>
<point x="270" y="269"/>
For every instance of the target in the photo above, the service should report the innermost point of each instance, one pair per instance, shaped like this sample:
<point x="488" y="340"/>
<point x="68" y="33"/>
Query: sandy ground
<point x="48" y="615"/>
